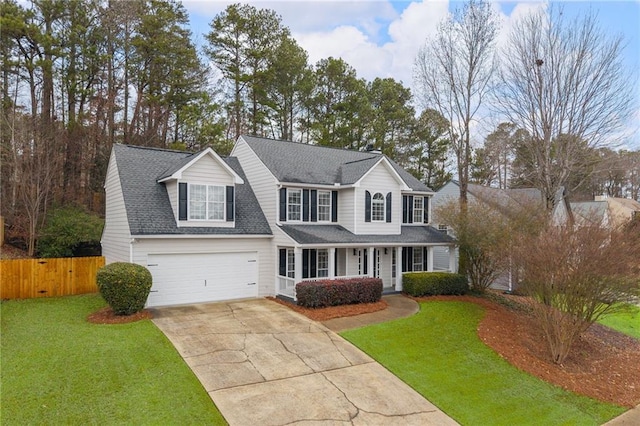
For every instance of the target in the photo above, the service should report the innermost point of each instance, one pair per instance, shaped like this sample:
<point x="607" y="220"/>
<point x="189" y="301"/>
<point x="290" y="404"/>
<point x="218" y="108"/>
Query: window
<point x="324" y="206"/>
<point x="377" y="207"/>
<point x="291" y="263"/>
<point x="417" y="259"/>
<point x="418" y="209"/>
<point x="206" y="202"/>
<point x="294" y="204"/>
<point x="323" y="263"/>
<point x="443" y="228"/>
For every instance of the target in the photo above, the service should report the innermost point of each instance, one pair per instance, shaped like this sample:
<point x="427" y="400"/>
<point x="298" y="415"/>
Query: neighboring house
<point x="605" y="211"/>
<point x="501" y="199"/>
<point x="271" y="215"/>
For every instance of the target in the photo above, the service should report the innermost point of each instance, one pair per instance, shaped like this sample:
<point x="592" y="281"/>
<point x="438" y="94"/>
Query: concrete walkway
<point x="628" y="418"/>
<point x="398" y="306"/>
<point x="263" y="364"/>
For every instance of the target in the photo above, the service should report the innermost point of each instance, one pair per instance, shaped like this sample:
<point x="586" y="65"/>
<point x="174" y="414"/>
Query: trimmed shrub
<point x="124" y="286"/>
<point x="321" y="293"/>
<point x="434" y="284"/>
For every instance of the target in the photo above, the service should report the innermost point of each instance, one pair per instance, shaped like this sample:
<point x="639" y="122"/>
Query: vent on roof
<point x="372" y="149"/>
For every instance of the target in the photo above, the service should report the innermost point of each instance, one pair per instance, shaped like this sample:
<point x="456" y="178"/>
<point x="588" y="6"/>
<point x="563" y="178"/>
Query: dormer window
<point x="206" y="202"/>
<point x="199" y="202"/>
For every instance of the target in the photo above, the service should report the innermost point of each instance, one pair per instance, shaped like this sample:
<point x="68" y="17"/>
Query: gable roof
<point x="589" y="212"/>
<point x="296" y="162"/>
<point x="175" y="171"/>
<point x="147" y="202"/>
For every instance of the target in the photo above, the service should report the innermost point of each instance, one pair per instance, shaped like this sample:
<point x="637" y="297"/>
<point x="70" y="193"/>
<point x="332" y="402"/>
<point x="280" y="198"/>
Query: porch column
<point x="297" y="251"/>
<point x="370" y="261"/>
<point x="452" y="259"/>
<point x="398" y="282"/>
<point x="332" y="263"/>
<point x="429" y="258"/>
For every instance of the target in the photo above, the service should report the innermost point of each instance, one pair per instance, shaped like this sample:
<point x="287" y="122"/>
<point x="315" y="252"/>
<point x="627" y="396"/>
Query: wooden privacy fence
<point x="29" y="278"/>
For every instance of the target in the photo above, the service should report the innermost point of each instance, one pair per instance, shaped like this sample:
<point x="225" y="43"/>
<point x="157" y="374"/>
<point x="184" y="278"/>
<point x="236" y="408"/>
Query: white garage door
<point x="202" y="277"/>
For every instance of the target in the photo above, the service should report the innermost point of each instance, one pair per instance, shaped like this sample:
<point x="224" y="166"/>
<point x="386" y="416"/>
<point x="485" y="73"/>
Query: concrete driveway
<point x="263" y="364"/>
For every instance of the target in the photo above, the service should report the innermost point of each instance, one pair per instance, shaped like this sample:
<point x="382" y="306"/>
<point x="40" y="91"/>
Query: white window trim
<point x="289" y="192"/>
<point x="421" y="210"/>
<point x="291" y="263"/>
<point x="324" y="205"/>
<point x="374" y="202"/>
<point x="206" y="202"/>
<point x="421" y="263"/>
<point x="318" y="269"/>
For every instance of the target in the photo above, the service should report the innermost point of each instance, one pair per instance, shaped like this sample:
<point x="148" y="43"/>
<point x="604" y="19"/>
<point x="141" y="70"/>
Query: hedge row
<point x="434" y="283"/>
<point x="320" y="293"/>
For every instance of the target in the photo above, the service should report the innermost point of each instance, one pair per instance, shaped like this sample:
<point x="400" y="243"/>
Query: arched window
<point x="377" y="207"/>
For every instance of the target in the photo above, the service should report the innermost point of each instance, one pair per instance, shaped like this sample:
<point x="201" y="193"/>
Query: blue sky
<point x="381" y="38"/>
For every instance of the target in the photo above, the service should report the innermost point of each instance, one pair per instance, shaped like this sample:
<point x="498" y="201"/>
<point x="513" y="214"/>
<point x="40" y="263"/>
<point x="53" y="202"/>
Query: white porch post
<point x="297" y="251"/>
<point x="332" y="263"/>
<point x="429" y="258"/>
<point x="398" y="268"/>
<point x="370" y="261"/>
<point x="452" y="259"/>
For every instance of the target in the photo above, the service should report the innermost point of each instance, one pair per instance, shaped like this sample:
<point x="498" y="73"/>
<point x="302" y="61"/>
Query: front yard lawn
<point x="438" y="353"/>
<point x="627" y="321"/>
<point x="59" y="369"/>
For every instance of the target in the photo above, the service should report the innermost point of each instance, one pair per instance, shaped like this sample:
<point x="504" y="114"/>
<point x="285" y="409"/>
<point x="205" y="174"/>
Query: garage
<point x="202" y="277"/>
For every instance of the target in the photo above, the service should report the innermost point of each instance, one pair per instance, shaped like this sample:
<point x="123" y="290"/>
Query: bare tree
<point x="452" y="75"/>
<point x="576" y="275"/>
<point x="565" y="84"/>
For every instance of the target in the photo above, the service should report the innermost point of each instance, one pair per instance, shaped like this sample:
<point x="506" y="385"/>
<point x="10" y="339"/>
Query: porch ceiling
<point x="336" y="234"/>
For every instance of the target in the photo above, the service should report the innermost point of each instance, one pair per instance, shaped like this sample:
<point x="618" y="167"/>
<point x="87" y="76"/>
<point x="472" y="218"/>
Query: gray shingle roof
<point x="336" y="234"/>
<point x="303" y="163"/>
<point x="147" y="202"/>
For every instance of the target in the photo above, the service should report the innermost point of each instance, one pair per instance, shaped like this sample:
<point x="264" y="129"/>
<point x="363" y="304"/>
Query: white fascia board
<point x="374" y="244"/>
<point x="313" y="185"/>
<point x="178" y="174"/>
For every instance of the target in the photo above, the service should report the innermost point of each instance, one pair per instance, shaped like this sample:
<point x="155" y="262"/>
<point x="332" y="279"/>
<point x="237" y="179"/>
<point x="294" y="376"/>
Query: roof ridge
<point x="153" y="148"/>
<point x="308" y="144"/>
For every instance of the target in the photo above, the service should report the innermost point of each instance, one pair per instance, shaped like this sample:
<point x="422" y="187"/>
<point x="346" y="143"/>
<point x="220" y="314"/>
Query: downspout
<point x="133" y="240"/>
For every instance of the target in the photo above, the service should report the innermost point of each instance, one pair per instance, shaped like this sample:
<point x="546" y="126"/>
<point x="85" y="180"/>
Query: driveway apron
<point x="263" y="364"/>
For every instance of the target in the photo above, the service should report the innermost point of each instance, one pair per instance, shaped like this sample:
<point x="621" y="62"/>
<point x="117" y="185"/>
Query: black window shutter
<point x="283" y="263"/>
<point x="313" y="270"/>
<point x="404" y="259"/>
<point x="314" y="205"/>
<point x="410" y="214"/>
<point x="405" y="209"/>
<point x="305" y="205"/>
<point x="409" y="259"/>
<point x="231" y="211"/>
<point x="283" y="204"/>
<point x="334" y="206"/>
<point x="426" y="209"/>
<point x="424" y="259"/>
<point x="182" y="201"/>
<point x="365" y="255"/>
<point x="367" y="206"/>
<point x="305" y="263"/>
<point x="335" y="263"/>
<point x="388" y="206"/>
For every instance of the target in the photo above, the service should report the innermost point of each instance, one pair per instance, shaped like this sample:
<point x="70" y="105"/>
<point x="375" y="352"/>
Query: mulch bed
<point x="330" y="312"/>
<point x="106" y="316"/>
<point x="603" y="364"/>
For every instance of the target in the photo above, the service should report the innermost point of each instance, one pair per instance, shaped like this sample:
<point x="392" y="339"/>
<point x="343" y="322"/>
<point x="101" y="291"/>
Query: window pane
<point x="418" y="210"/>
<point x="197" y="201"/>
<point x="417" y="259"/>
<point x="294" y="204"/>
<point x="215" y="205"/>
<point x="377" y="208"/>
<point x="323" y="263"/>
<point x="291" y="264"/>
<point x="324" y="206"/>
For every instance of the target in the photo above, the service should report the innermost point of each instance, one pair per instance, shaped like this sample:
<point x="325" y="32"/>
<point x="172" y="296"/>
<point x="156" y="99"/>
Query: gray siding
<point x="116" y="235"/>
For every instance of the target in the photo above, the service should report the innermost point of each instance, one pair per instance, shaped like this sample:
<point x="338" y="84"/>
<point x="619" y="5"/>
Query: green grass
<point x="59" y="369"/>
<point x="626" y="321"/>
<point x="438" y="353"/>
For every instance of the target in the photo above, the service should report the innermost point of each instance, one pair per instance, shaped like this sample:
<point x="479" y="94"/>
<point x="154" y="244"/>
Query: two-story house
<point x="271" y="215"/>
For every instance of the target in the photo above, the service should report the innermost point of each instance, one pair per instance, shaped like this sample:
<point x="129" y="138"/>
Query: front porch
<point x="387" y="262"/>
